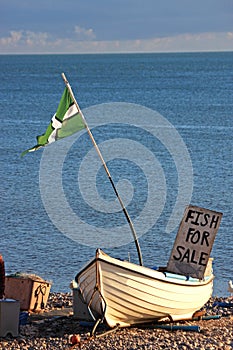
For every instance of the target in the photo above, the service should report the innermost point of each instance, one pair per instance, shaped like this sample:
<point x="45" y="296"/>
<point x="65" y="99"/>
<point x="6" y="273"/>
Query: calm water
<point x="194" y="92"/>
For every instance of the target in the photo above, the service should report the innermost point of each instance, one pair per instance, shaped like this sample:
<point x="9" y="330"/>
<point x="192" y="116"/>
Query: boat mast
<point x="107" y="171"/>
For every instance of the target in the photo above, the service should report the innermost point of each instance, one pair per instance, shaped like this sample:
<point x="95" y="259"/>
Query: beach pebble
<point x="54" y="333"/>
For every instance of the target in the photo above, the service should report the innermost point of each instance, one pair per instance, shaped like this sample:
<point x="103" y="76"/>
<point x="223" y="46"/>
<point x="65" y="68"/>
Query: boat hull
<point x="124" y="293"/>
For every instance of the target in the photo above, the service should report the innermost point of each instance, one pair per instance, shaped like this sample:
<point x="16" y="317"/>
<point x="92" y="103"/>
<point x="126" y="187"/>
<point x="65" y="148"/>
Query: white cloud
<point x="84" y="34"/>
<point x="186" y="42"/>
<point x="34" y="39"/>
<point x="14" y="38"/>
<point x="31" y="42"/>
<point x="23" y="39"/>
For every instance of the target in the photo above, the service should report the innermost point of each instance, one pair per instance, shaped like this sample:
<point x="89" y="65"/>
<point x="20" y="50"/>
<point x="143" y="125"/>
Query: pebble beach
<point x="53" y="328"/>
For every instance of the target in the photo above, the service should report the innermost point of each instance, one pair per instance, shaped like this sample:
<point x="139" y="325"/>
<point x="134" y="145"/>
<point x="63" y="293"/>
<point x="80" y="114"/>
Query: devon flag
<point x="66" y="121"/>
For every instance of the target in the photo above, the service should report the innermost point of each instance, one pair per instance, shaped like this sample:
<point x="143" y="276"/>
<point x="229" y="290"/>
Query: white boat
<point x="124" y="294"/>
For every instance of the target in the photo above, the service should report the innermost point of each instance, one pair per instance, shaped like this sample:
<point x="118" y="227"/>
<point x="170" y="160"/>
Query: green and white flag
<point x="66" y="121"/>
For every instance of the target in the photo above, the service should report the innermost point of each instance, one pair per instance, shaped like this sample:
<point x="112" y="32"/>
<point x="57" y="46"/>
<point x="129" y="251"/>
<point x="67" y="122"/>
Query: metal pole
<point x="107" y="171"/>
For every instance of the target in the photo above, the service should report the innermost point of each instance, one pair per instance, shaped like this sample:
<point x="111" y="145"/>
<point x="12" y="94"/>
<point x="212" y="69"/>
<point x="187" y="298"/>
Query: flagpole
<point x="107" y="171"/>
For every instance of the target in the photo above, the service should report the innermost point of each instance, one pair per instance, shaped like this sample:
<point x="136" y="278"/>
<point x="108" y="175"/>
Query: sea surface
<point x="193" y="92"/>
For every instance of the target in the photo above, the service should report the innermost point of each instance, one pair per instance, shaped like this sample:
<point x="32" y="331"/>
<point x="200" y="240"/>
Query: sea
<point x="164" y="126"/>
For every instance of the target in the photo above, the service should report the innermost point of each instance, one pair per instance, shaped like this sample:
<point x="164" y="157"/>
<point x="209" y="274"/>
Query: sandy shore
<point x="52" y="329"/>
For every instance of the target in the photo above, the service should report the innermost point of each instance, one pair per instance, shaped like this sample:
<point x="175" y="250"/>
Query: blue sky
<point x="79" y="26"/>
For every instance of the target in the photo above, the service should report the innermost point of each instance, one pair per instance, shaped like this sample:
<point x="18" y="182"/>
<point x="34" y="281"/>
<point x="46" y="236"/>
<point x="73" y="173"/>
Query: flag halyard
<point x="66" y="121"/>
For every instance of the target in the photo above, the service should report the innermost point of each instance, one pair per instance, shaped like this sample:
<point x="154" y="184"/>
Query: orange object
<point x="75" y="339"/>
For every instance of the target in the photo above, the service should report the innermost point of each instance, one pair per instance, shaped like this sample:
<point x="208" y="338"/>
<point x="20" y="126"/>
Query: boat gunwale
<point x="170" y="280"/>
